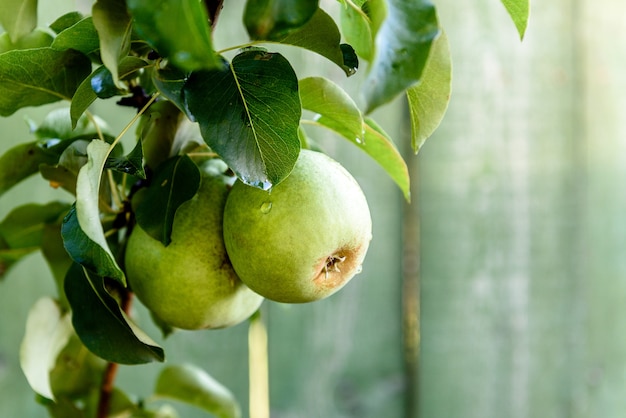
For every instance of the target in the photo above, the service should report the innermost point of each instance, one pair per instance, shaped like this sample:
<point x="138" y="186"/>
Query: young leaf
<point x="519" y="10"/>
<point x="192" y="385"/>
<point x="47" y="332"/>
<point x="381" y="148"/>
<point x="101" y="324"/>
<point x="18" y="17"/>
<point x="131" y="164"/>
<point x="274" y="19"/>
<point x="321" y="35"/>
<point x="114" y="25"/>
<point x="81" y="36"/>
<point x="67" y="20"/>
<point x="249" y="114"/>
<point x="335" y="109"/>
<point x="35" y="77"/>
<point x="428" y="100"/>
<point x="403" y="45"/>
<point x="82" y="230"/>
<point x="355" y="25"/>
<point x="178" y="30"/>
<point x="176" y="181"/>
<point x="21" y="161"/>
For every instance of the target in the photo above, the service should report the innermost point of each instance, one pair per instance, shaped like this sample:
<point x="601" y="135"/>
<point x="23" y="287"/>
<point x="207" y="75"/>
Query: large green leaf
<point x="321" y="35"/>
<point x="403" y="45"/>
<point x="249" y="114"/>
<point x="18" y="17"/>
<point x="114" y="26"/>
<point x="356" y="28"/>
<point x="192" y="385"/>
<point x="82" y="231"/>
<point x="21" y="161"/>
<point x="519" y="10"/>
<point x="274" y="19"/>
<point x="428" y="100"/>
<point x="178" y="30"/>
<point x="81" y="36"/>
<point x="175" y="182"/>
<point x="47" y="332"/>
<point x="35" y="77"/>
<point x="102" y="325"/>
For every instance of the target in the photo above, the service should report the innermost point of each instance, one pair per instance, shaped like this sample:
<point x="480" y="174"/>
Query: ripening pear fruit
<point x="190" y="283"/>
<point x="305" y="238"/>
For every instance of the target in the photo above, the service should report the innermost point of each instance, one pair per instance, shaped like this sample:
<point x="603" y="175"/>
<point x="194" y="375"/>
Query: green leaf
<point x="38" y="38"/>
<point x="101" y="324"/>
<point x="519" y="10"/>
<point x="22" y="161"/>
<point x="176" y="181"/>
<point x="114" y="26"/>
<point x="274" y="19"/>
<point x="35" y="77"/>
<point x="380" y="147"/>
<point x="334" y="108"/>
<point x="24" y="226"/>
<point x="249" y="114"/>
<point x="57" y="127"/>
<point x="178" y="30"/>
<point x="47" y="331"/>
<point x="82" y="230"/>
<point x="131" y="164"/>
<point x="170" y="82"/>
<point x="81" y="36"/>
<point x="321" y="35"/>
<point x="56" y="257"/>
<point x="192" y="385"/>
<point x="355" y="25"/>
<point x="67" y="20"/>
<point x="18" y="17"/>
<point x="83" y="98"/>
<point x="403" y="45"/>
<point x="428" y="100"/>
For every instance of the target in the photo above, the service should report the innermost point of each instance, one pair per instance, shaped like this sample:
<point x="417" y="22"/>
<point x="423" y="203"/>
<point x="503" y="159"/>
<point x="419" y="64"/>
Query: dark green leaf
<point x="519" y="10"/>
<point x="38" y="76"/>
<point x="102" y="326"/>
<point x="170" y="82"/>
<point x="114" y="26"/>
<point x="274" y="19"/>
<point x="81" y="36"/>
<point x="82" y="99"/>
<point x="176" y="181"/>
<point x="428" y="100"/>
<point x="192" y="385"/>
<point x="103" y="84"/>
<point x="321" y="35"/>
<point x="85" y="251"/>
<point x="249" y="114"/>
<point x="65" y="21"/>
<point x="131" y="164"/>
<point x="21" y="161"/>
<point x="403" y="45"/>
<point x="18" y="17"/>
<point x="178" y="30"/>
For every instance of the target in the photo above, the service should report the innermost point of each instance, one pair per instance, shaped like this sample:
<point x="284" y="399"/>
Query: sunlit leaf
<point x="194" y="386"/>
<point x="334" y="108"/>
<point x="47" y="332"/>
<point x="176" y="181"/>
<point x="57" y="126"/>
<point x="274" y="19"/>
<point x="403" y="45"/>
<point x="356" y="28"/>
<point x="428" y="100"/>
<point x="18" y="17"/>
<point x="102" y="325"/>
<point x="321" y="35"/>
<point x="39" y="38"/>
<point x="65" y="21"/>
<point x="82" y="230"/>
<point x="35" y="77"/>
<point x="519" y="10"/>
<point x="249" y="114"/>
<point x="114" y="24"/>
<point x="178" y="30"/>
<point x="81" y="36"/>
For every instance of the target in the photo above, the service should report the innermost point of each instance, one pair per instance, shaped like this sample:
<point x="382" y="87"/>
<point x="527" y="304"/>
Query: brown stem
<point x="108" y="381"/>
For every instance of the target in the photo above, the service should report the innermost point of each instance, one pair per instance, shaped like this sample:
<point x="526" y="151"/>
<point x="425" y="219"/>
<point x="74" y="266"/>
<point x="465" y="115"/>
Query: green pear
<point x="305" y="238"/>
<point x="190" y="283"/>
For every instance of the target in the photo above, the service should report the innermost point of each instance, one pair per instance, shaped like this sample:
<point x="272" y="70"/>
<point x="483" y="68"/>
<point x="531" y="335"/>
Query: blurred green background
<point x="514" y="235"/>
